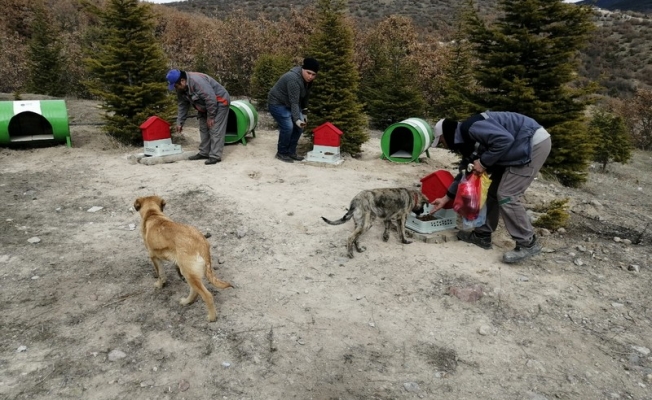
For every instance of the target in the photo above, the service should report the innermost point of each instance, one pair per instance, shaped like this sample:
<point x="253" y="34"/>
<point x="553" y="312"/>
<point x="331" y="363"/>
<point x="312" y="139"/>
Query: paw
<point x="405" y="241"/>
<point x="385" y="238"/>
<point x="361" y="249"/>
<point x="159" y="284"/>
<point x="184" y="301"/>
<point x="211" y="318"/>
<point x="350" y="254"/>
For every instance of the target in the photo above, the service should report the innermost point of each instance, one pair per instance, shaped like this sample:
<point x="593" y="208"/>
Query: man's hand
<point x="179" y="128"/>
<point x="477" y="167"/>
<point x="210" y="122"/>
<point x="300" y="123"/>
<point x="439" y="204"/>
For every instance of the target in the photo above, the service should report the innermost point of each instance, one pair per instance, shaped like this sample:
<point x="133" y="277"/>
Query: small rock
<point x="634" y="268"/>
<point x="183" y="385"/>
<point x="58" y="209"/>
<point x="240" y="233"/>
<point x="561" y="230"/>
<point x="547" y="250"/>
<point x="648" y="378"/>
<point x="371" y="324"/>
<point x="581" y="248"/>
<point x="578" y="262"/>
<point x="536" y="365"/>
<point x="226" y="364"/>
<point x="469" y="294"/>
<point x="535" y="396"/>
<point x="34" y="240"/>
<point x="95" y="209"/>
<point x="617" y="239"/>
<point x="21" y="349"/>
<point x="132" y="227"/>
<point x="148" y="383"/>
<point x="484" y="330"/>
<point x="544" y="232"/>
<point x="35" y="277"/>
<point x="411" y="386"/>
<point x="116" y="355"/>
<point x="301" y="342"/>
<point x="359" y="297"/>
<point x="643" y="350"/>
<point x="627" y="241"/>
<point x="523" y="278"/>
<point x="617" y="305"/>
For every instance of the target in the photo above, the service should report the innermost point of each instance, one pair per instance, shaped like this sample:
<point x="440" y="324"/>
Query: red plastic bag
<point x="469" y="196"/>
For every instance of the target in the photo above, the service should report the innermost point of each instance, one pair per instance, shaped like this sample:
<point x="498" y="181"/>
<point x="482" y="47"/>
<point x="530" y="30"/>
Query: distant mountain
<point x="642" y="6"/>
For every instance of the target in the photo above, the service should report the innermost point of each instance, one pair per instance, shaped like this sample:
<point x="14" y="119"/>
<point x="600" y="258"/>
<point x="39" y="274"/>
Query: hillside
<point x="433" y="15"/>
<point x="643" y="6"/>
<point x="618" y="56"/>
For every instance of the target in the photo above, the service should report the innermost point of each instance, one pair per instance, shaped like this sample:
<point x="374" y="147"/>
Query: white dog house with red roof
<point x="326" y="147"/>
<point x="157" y="139"/>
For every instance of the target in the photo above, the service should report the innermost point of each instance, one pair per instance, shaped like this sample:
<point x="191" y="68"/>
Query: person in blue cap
<point x="211" y="100"/>
<point x="286" y="102"/>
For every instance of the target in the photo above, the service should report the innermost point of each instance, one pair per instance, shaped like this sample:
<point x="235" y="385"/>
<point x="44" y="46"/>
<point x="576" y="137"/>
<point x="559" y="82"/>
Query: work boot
<point x="521" y="252"/>
<point x="472" y="237"/>
<point x="284" y="157"/>
<point x="197" y="157"/>
<point x="211" y="161"/>
<point x="296" y="157"/>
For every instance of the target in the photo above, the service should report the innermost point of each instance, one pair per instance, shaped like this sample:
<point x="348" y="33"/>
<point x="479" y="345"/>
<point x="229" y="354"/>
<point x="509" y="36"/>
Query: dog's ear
<point x="137" y="204"/>
<point x="162" y="204"/>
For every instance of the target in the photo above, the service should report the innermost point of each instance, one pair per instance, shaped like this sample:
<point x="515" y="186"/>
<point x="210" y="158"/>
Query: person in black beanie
<point x="287" y="101"/>
<point x="512" y="148"/>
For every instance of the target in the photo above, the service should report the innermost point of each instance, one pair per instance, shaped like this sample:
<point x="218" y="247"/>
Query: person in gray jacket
<point x="512" y="148"/>
<point x="286" y="101"/>
<point x="212" y="101"/>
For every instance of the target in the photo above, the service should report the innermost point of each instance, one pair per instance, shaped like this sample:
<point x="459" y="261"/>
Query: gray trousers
<point x="212" y="140"/>
<point x="508" y="184"/>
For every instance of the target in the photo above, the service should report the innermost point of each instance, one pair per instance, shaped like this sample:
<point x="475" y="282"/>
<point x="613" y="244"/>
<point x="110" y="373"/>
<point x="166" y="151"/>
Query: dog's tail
<point x="342" y="220"/>
<point x="213" y="279"/>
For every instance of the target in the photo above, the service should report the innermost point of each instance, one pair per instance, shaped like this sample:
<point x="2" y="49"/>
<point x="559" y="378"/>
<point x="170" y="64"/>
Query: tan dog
<point x="392" y="204"/>
<point x="183" y="244"/>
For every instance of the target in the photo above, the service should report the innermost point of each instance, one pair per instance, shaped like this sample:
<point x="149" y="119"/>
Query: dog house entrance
<point x="401" y="143"/>
<point x="232" y="124"/>
<point x="29" y="126"/>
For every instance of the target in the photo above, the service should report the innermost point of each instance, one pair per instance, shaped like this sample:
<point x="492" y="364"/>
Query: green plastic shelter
<point x="34" y="120"/>
<point x="405" y="141"/>
<point x="242" y="120"/>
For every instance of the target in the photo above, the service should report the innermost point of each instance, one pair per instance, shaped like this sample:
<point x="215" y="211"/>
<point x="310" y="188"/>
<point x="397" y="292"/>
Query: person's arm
<point x="182" y="111"/>
<point x="439" y="203"/>
<point x="495" y="139"/>
<point x="294" y="95"/>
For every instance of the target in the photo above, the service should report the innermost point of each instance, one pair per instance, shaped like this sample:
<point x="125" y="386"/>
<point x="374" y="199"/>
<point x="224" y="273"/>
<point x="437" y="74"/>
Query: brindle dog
<point x="393" y="204"/>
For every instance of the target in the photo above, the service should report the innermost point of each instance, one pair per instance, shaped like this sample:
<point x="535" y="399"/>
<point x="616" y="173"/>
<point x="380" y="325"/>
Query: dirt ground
<point x="80" y="316"/>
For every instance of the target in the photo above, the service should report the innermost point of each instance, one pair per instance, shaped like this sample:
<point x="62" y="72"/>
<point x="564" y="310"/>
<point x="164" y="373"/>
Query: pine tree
<point x="334" y="96"/>
<point x="389" y="88"/>
<point x="528" y="60"/>
<point x="267" y="69"/>
<point x="458" y="86"/>
<point x="611" y="140"/>
<point x="46" y="61"/>
<point x="128" y="69"/>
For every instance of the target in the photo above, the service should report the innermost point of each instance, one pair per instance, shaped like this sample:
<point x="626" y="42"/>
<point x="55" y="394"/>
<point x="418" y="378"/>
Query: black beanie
<point x="310" y="64"/>
<point x="448" y="128"/>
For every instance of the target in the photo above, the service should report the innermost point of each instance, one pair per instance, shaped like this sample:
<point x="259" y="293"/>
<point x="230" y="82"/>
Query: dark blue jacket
<point x="500" y="139"/>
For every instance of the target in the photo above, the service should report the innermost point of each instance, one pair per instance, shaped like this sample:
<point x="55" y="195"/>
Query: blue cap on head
<point x="173" y="77"/>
